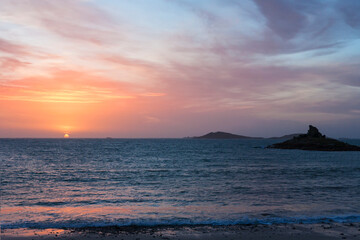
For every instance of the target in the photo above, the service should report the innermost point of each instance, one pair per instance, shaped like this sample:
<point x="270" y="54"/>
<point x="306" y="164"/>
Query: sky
<point x="177" y="68"/>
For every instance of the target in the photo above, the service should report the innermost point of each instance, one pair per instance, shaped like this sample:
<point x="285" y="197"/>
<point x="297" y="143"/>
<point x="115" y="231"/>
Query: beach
<point x="255" y="232"/>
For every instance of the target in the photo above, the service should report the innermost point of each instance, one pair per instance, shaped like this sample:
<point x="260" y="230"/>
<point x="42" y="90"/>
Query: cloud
<point x="153" y="94"/>
<point x="65" y="87"/>
<point x="129" y="62"/>
<point x="210" y="19"/>
<point x="209" y="61"/>
<point x="10" y="64"/>
<point x="350" y="11"/>
<point x="282" y="17"/>
<point x="7" y="46"/>
<point x="151" y="119"/>
<point x="271" y="28"/>
<point x="76" y="20"/>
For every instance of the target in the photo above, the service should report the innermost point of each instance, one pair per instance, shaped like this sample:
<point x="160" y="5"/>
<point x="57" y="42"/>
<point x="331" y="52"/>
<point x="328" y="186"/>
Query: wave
<point x="81" y="223"/>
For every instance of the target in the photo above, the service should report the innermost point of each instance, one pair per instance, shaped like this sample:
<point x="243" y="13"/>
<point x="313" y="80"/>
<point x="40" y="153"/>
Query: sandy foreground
<point x="254" y="232"/>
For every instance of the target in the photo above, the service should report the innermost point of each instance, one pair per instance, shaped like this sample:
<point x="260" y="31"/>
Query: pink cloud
<point x="11" y="64"/>
<point x="12" y="48"/>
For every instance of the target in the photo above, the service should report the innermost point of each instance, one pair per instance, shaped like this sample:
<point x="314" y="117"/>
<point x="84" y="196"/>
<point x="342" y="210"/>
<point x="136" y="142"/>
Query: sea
<point x="74" y="183"/>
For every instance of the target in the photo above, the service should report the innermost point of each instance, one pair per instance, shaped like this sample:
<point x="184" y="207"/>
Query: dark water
<point x="98" y="182"/>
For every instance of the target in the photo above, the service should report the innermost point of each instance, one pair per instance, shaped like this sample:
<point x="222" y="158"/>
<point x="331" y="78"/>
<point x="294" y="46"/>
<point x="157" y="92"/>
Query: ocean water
<point x="55" y="183"/>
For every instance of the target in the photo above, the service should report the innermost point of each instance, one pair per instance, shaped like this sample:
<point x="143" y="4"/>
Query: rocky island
<point x="314" y="140"/>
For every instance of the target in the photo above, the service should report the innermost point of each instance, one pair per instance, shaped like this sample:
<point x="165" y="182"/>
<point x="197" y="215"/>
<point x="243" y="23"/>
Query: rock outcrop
<point x="314" y="140"/>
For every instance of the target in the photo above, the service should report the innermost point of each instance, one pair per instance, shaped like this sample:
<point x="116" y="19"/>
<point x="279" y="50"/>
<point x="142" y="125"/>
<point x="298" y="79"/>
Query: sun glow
<point x="66" y="135"/>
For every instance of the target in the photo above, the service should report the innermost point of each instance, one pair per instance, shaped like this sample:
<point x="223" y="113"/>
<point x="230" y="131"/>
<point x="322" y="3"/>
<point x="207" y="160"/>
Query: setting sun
<point x="66" y="135"/>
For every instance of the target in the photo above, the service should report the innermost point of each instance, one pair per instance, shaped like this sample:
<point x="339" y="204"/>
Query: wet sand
<point x="254" y="232"/>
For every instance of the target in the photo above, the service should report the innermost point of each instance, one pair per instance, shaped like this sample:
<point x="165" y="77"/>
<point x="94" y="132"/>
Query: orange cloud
<point x="64" y="87"/>
<point x="67" y="101"/>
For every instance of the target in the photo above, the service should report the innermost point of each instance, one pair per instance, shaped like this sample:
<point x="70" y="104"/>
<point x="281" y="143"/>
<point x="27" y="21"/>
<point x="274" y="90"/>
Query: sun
<point x="66" y="135"/>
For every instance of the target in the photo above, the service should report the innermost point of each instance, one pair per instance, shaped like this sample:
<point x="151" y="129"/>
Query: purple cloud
<point x="350" y="11"/>
<point x="282" y="17"/>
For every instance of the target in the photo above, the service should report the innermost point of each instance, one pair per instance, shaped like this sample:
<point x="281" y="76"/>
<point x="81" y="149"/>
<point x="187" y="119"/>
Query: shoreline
<point x="316" y="231"/>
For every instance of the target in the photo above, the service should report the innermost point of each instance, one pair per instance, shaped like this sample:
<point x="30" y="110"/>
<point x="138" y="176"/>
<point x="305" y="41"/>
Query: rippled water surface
<point x="98" y="182"/>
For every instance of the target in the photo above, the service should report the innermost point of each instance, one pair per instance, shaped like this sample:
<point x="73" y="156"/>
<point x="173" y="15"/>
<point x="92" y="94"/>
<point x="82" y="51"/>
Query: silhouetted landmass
<point x="314" y="140"/>
<point x="288" y="136"/>
<point x="223" y="135"/>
